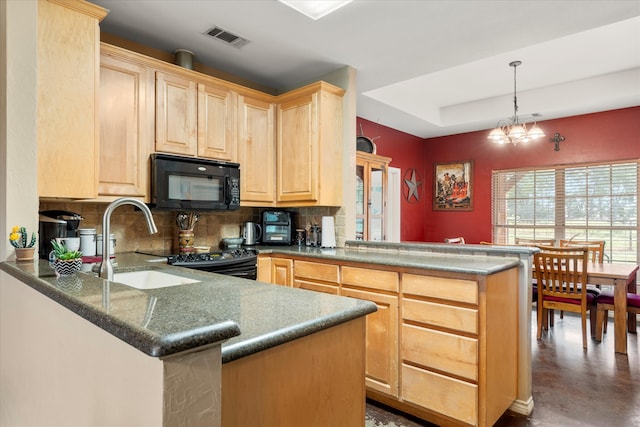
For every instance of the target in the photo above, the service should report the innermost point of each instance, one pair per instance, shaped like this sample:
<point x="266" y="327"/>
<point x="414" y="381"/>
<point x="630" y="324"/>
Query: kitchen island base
<point x="60" y="370"/>
<point x="314" y="381"/>
<point x="444" y="343"/>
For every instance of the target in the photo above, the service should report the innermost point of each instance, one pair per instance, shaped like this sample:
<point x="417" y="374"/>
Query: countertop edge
<point x="401" y="256"/>
<point x="238" y="350"/>
<point x="150" y="344"/>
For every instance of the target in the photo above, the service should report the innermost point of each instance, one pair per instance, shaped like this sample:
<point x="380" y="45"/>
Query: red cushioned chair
<point x="605" y="303"/>
<point x="596" y="254"/>
<point x="562" y="276"/>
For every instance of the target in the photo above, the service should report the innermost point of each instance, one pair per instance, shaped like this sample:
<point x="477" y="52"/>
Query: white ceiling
<point x="425" y="67"/>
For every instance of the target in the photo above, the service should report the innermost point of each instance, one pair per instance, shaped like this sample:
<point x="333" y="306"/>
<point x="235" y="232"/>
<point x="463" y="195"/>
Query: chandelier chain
<point x="515" y="93"/>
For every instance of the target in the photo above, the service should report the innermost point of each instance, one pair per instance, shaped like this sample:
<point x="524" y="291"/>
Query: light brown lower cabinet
<point x="315" y="276"/>
<point x="380" y="287"/>
<point x="442" y="346"/>
<point x="459" y="347"/>
<point x="381" y="373"/>
<point x="278" y="271"/>
<point x="290" y="385"/>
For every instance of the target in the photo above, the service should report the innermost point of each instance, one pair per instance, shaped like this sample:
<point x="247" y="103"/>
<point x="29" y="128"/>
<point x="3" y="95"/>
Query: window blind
<point x="580" y="202"/>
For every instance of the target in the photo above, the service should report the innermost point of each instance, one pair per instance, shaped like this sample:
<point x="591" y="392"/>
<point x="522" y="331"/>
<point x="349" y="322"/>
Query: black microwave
<point x="179" y="183"/>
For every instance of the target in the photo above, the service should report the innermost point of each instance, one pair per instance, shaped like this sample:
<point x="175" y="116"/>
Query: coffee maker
<point x="56" y="224"/>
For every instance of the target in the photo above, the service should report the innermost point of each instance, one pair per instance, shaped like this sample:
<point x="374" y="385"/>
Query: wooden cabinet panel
<point x="313" y="381"/>
<point x="447" y="288"/>
<point x="316" y="286"/>
<point x="382" y="341"/>
<point x="176" y="114"/>
<point x="282" y="271"/>
<point x="257" y="151"/>
<point x="216" y="123"/>
<point x="309" y="146"/>
<point x="369" y="278"/>
<point x="441" y="315"/>
<point x="449" y="396"/>
<point x="68" y="53"/>
<point x="275" y="270"/>
<point x="264" y="269"/>
<point x="444" y="352"/>
<point x="297" y="150"/>
<point x="316" y="276"/>
<point x="126" y="125"/>
<point x="317" y="271"/>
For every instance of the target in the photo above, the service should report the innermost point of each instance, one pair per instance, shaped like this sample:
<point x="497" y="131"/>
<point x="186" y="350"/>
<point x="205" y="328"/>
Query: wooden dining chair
<point x="596" y="254"/>
<point x="605" y="303"/>
<point x="535" y="242"/>
<point x="455" y="240"/>
<point x="596" y="248"/>
<point x="534" y="283"/>
<point x="562" y="276"/>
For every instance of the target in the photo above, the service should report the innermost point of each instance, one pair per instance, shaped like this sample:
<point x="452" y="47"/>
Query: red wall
<point x="406" y="152"/>
<point x="610" y="135"/>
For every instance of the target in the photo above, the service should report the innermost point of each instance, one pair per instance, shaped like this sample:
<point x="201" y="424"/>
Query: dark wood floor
<point x="571" y="386"/>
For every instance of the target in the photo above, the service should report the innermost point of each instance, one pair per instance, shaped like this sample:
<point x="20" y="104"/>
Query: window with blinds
<point x="580" y="202"/>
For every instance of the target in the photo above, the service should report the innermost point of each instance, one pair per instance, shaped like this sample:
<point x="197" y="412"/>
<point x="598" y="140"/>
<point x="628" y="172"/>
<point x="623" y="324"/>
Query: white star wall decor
<point x="413" y="185"/>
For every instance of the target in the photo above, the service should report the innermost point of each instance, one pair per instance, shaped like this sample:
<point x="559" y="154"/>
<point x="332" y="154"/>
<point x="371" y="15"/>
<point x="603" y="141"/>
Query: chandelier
<point x="512" y="130"/>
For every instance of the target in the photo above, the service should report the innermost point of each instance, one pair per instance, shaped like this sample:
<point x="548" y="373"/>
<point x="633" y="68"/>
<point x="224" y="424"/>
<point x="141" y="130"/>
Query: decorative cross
<point x="557" y="138"/>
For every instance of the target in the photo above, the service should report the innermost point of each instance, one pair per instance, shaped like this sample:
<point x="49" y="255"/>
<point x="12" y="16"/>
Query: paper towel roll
<point x="328" y="232"/>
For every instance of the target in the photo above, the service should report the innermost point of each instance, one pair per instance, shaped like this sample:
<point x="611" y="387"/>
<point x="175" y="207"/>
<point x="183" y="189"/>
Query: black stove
<point x="239" y="262"/>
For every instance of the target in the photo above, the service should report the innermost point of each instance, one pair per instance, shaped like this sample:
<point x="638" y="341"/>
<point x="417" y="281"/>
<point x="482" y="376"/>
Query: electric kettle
<point x="251" y="233"/>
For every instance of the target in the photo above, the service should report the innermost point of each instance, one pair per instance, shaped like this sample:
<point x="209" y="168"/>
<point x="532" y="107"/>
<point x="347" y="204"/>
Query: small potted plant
<point x="65" y="262"/>
<point x="19" y="239"/>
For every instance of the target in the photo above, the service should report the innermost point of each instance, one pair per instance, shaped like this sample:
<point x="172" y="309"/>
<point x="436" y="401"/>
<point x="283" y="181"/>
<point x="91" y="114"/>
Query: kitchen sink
<point x="151" y="279"/>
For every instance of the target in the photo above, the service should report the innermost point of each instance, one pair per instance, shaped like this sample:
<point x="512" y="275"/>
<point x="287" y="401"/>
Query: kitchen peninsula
<point x="86" y="351"/>
<point x="450" y="341"/>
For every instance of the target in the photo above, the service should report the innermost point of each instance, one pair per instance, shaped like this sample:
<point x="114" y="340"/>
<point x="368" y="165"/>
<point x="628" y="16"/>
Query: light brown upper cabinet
<point x="216" y="122"/>
<point x="68" y="54"/>
<point x="371" y="190"/>
<point x="257" y="149"/>
<point x="176" y="114"/>
<point x="195" y="117"/>
<point x="309" y="146"/>
<point x="126" y="123"/>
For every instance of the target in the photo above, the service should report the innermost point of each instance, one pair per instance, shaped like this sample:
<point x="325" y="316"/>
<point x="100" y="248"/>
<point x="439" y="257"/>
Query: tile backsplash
<point x="130" y="226"/>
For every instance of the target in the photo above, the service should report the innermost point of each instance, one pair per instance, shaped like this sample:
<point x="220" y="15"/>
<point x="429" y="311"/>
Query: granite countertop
<point x="248" y="316"/>
<point x="466" y="259"/>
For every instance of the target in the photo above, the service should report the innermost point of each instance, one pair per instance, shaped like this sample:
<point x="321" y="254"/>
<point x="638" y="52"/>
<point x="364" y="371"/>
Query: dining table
<point x="622" y="277"/>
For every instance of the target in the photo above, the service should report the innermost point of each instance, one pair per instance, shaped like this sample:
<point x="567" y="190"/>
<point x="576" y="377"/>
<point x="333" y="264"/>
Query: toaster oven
<point x="278" y="227"/>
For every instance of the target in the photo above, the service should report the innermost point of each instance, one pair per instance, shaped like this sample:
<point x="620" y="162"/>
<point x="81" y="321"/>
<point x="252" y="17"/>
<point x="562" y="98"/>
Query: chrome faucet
<point x="106" y="269"/>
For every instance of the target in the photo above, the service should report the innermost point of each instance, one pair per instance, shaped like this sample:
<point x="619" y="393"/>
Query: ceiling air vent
<point x="227" y="37"/>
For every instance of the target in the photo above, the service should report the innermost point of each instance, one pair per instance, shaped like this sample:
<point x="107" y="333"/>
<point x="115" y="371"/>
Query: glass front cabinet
<point x="371" y="192"/>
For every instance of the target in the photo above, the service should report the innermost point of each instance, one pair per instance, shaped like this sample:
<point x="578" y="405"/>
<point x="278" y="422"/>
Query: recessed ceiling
<point x="428" y="68"/>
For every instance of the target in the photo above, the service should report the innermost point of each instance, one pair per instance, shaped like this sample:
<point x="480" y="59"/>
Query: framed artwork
<point x="453" y="186"/>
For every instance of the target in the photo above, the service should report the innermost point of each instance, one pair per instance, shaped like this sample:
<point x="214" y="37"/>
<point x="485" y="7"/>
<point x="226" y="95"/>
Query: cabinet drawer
<point x="317" y="287"/>
<point x="440" y="350"/>
<point x="454" y="398"/>
<point x="316" y="271"/>
<point x="443" y="315"/>
<point x="369" y="278"/>
<point x="459" y="290"/>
